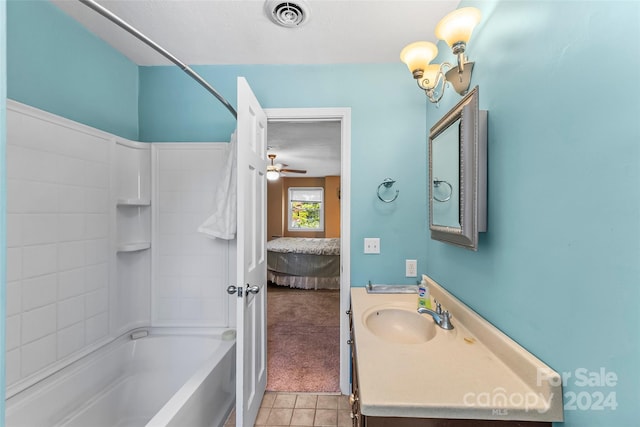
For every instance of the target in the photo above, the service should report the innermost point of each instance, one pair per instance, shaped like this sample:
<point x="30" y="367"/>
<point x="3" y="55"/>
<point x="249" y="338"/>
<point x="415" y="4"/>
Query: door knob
<point x="232" y="290"/>
<point x="253" y="289"/>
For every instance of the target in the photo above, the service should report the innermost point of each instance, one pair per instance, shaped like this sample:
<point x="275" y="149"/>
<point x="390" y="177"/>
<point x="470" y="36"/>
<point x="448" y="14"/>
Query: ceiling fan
<point x="274" y="170"/>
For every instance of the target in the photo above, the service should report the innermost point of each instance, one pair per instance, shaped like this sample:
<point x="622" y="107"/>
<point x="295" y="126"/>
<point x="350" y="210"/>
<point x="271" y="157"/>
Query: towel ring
<point x="387" y="183"/>
<point x="436" y="184"/>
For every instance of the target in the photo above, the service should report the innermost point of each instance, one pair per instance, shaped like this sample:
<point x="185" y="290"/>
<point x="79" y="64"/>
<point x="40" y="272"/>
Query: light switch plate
<point x="371" y="245"/>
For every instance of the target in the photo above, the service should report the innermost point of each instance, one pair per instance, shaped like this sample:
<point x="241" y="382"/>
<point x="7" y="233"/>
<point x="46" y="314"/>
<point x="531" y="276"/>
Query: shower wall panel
<point x="190" y="273"/>
<point x="58" y="217"/>
<point x="80" y="270"/>
<point x="131" y="289"/>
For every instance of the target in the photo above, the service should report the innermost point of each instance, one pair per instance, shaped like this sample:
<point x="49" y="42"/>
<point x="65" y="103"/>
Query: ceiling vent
<point x="288" y="14"/>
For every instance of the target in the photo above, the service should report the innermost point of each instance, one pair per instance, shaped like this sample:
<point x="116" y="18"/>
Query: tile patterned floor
<point x="301" y="409"/>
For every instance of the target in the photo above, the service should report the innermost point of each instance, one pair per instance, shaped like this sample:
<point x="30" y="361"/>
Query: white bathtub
<point x="163" y="379"/>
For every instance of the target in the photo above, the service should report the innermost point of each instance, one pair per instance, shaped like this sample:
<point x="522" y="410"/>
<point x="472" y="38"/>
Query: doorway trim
<point x="343" y="115"/>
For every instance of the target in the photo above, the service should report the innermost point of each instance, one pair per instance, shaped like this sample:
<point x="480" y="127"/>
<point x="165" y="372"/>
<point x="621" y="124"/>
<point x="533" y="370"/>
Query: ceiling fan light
<point x="273" y="175"/>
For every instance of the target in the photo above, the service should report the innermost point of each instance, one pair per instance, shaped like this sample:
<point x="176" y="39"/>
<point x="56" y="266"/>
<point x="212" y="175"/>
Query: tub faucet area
<point x="440" y="317"/>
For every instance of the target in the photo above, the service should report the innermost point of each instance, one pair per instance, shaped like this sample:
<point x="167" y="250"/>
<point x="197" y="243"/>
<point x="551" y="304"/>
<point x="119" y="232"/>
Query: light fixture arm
<point x="461" y="61"/>
<point x="436" y="92"/>
<point x="458" y="49"/>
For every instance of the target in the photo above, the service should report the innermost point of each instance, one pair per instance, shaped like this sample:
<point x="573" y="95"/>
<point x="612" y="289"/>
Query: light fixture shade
<point x="429" y="77"/>
<point x="457" y="26"/>
<point x="273" y="175"/>
<point x="417" y="55"/>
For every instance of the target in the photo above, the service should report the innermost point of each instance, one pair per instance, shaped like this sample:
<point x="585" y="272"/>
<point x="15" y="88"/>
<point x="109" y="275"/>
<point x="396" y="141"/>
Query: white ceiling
<point x="218" y="32"/>
<point x="239" y="32"/>
<point x="303" y="145"/>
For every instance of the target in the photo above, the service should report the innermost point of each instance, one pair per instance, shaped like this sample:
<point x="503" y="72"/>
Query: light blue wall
<point x="388" y="139"/>
<point x="559" y="267"/>
<point x="55" y="64"/>
<point x="3" y="198"/>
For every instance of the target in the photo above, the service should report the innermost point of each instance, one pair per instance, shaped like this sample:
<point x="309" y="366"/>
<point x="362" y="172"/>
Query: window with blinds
<point x="306" y="210"/>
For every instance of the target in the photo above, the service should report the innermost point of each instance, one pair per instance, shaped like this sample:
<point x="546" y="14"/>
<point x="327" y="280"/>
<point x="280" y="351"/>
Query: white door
<point x="251" y="289"/>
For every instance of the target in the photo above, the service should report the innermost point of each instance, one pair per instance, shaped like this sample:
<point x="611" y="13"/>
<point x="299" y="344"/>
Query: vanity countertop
<point x="473" y="371"/>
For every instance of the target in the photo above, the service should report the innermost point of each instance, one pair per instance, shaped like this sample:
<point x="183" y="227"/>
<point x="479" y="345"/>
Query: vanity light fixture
<point x="455" y="29"/>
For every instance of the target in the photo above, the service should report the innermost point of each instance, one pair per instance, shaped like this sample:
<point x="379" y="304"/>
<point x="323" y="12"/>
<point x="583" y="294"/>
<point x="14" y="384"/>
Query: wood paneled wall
<point x="332" y="206"/>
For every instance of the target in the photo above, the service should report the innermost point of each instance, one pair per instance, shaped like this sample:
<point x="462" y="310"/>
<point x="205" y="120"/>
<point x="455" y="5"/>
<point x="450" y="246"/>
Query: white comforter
<point x="305" y="245"/>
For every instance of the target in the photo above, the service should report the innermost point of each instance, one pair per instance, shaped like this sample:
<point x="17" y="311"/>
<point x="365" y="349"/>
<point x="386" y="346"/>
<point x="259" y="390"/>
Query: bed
<point x="304" y="263"/>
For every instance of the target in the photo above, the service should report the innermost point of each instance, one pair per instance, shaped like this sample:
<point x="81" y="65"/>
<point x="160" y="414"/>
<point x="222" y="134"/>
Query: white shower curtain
<point x="222" y="222"/>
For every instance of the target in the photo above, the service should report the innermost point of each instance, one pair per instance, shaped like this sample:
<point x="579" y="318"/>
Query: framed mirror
<point x="458" y="174"/>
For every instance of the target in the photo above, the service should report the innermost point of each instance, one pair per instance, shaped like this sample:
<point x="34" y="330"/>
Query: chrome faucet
<point x="440" y="317"/>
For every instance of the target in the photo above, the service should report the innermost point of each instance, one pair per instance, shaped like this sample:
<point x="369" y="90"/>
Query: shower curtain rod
<point x="123" y="24"/>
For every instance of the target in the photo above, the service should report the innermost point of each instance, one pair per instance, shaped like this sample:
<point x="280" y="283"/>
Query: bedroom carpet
<point x="303" y="340"/>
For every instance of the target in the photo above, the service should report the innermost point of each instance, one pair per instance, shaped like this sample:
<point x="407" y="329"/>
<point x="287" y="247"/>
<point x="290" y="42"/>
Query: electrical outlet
<point x="411" y="267"/>
<point x="371" y="245"/>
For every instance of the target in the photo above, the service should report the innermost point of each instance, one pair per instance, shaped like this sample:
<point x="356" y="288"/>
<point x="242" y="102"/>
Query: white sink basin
<point x="400" y="325"/>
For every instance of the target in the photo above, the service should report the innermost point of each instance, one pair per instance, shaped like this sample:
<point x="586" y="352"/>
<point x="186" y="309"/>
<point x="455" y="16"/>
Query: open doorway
<point x="307" y="333"/>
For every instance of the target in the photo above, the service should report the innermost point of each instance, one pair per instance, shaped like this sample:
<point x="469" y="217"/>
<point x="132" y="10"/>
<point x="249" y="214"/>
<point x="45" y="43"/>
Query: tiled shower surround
<point x="57" y="243"/>
<point x="189" y="264"/>
<point x="89" y="259"/>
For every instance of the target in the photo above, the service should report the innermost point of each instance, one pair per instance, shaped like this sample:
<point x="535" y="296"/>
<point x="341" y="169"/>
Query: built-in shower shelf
<point x="134" y="247"/>
<point x="134" y="202"/>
